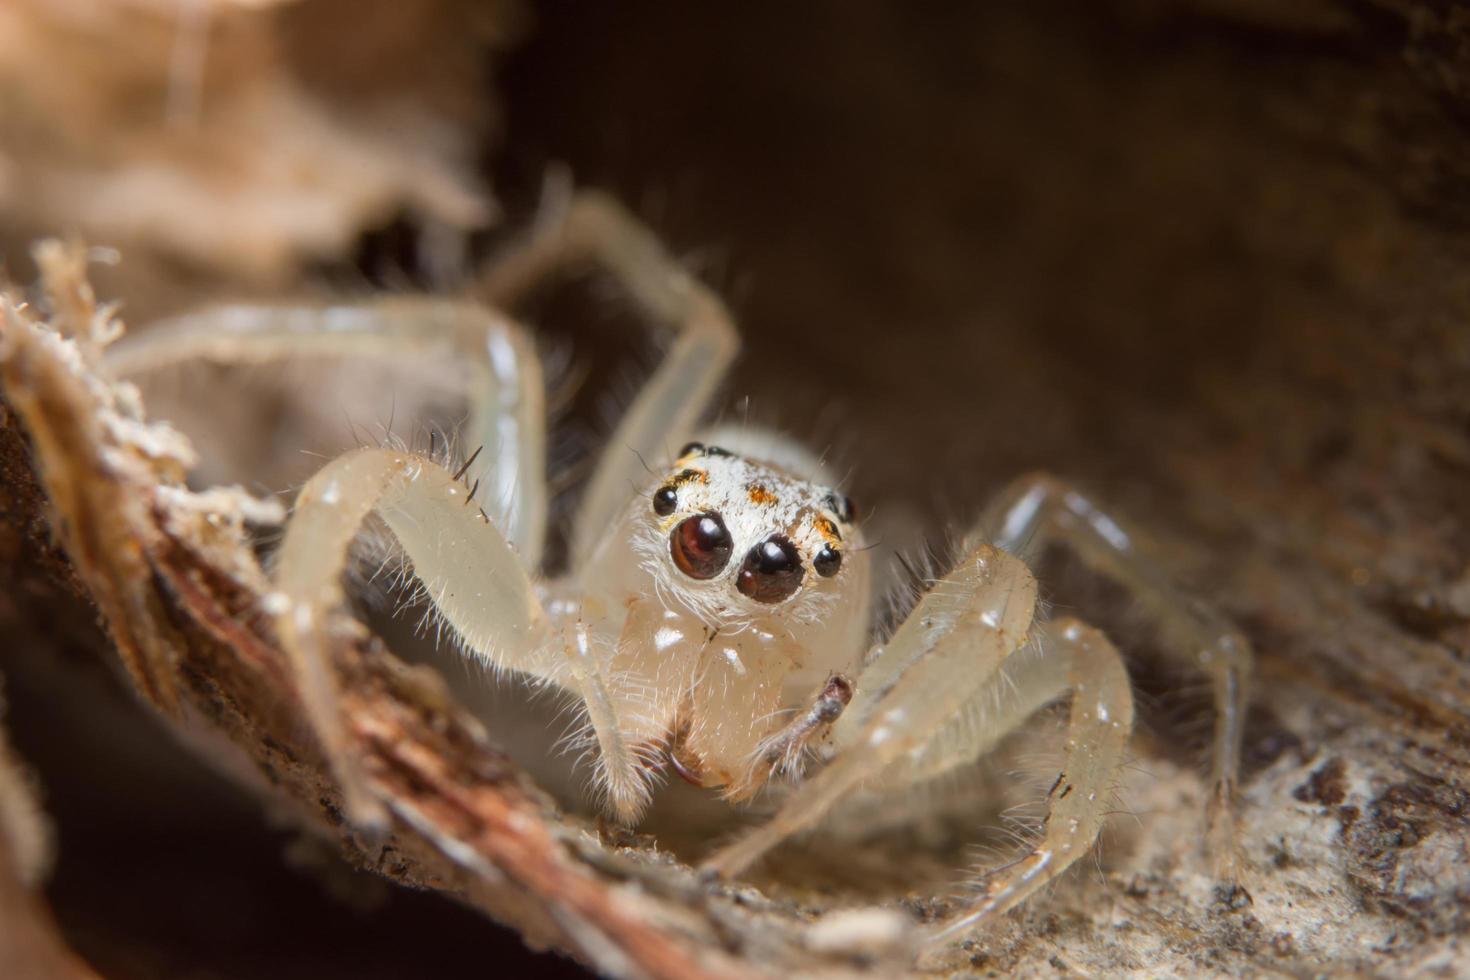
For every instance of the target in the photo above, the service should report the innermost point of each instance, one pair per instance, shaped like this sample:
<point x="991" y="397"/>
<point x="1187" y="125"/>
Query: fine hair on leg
<point x="1038" y="509"/>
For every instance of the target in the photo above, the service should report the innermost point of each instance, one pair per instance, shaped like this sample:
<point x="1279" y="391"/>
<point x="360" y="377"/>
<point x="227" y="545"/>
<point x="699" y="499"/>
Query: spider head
<point x="737" y="538"/>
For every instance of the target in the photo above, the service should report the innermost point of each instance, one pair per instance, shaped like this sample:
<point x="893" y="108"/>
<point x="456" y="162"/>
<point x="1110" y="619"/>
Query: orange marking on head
<point x="827" y="530"/>
<point x="760" y="496"/>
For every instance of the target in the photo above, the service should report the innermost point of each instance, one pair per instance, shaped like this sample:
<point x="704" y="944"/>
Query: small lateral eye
<point x="691" y="447"/>
<point x="828" y="561"/>
<point x="843" y="507"/>
<point x="771" y="571"/>
<point x="665" y="499"/>
<point x="701" y="546"/>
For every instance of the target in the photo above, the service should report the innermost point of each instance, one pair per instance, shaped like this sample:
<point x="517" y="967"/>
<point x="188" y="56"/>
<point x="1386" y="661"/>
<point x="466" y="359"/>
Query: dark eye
<point x="691" y="447"/>
<point x="772" y="570"/>
<point x="665" y="500"/>
<point x="828" y="560"/>
<point x="700" y="546"/>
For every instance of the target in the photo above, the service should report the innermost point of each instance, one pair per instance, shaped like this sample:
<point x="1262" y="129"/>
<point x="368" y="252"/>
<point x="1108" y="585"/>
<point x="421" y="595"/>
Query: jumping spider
<point x="716" y="620"/>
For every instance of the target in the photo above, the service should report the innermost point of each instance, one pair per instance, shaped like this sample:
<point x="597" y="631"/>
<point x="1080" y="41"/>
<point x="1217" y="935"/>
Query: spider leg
<point x="475" y="581"/>
<point x="623" y="772"/>
<point x="668" y="408"/>
<point x="951" y="645"/>
<point x="507" y="391"/>
<point x="959" y="655"/>
<point x="1039" y="508"/>
<point x="1083" y="660"/>
<point x="1028" y="681"/>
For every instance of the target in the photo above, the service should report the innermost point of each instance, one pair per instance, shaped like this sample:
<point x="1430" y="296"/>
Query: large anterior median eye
<point x="700" y="545"/>
<point x="771" y="571"/>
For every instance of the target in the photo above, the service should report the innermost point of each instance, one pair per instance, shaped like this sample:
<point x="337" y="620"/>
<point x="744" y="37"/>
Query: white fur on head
<point x="755" y="500"/>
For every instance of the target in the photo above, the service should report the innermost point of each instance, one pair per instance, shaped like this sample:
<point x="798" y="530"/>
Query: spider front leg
<point x="467" y="570"/>
<point x="592" y="226"/>
<point x="949" y="684"/>
<point x="943" y="656"/>
<point x="1101" y="721"/>
<point x="465" y="565"/>
<point x="1038" y="509"/>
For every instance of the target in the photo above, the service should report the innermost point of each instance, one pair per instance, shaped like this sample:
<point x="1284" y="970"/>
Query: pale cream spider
<point x="713" y="619"/>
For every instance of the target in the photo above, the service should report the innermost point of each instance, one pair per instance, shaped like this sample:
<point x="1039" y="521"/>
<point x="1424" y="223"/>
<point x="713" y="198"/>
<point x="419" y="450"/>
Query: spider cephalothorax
<point x="754" y="591"/>
<point x="716" y="615"/>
